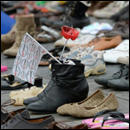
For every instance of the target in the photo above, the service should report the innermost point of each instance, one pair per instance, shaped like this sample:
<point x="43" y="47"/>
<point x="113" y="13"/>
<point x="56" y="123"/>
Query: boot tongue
<point x="25" y="114"/>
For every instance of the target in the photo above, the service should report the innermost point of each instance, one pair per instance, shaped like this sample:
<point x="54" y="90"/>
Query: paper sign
<point x="27" y="59"/>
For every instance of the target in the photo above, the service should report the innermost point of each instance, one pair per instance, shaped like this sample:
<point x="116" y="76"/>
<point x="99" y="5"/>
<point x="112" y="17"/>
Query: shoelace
<point x="121" y="71"/>
<point x="10" y="116"/>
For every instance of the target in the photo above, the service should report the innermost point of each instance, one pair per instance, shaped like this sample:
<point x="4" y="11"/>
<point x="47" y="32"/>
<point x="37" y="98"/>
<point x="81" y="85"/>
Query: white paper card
<point x="27" y="59"/>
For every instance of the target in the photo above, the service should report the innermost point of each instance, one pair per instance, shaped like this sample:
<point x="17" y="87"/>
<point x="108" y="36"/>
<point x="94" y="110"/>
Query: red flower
<point x="69" y="32"/>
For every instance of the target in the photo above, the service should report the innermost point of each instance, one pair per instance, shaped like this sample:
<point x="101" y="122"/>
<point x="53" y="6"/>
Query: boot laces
<point x="10" y="116"/>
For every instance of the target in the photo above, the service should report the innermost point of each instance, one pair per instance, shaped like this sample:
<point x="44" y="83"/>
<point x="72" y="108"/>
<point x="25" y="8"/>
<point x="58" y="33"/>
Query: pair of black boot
<point x="67" y="85"/>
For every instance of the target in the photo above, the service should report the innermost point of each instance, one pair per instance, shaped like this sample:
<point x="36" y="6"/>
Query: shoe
<point x="123" y="60"/>
<point x="110" y="120"/>
<point x="57" y="125"/>
<point x="47" y="35"/>
<point x="8" y="39"/>
<point x="81" y="40"/>
<point x="21" y="29"/>
<point x="121" y="84"/>
<point x="59" y="86"/>
<point x="121" y="28"/>
<point x="95" y="5"/>
<point x="7" y="116"/>
<point x="20" y="96"/>
<point x="94" y="63"/>
<point x="19" y="121"/>
<point x="109" y="103"/>
<point x="122" y="50"/>
<point x="9" y="78"/>
<point x="95" y="99"/>
<point x="105" y="43"/>
<point x="75" y="11"/>
<point x="110" y="9"/>
<point x="119" y="15"/>
<point x="8" y="7"/>
<point x="95" y="28"/>
<point x="121" y="73"/>
<point x="6" y="85"/>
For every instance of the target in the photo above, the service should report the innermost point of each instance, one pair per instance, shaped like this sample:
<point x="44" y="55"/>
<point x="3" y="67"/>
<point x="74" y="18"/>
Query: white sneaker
<point x="120" y="51"/>
<point x="94" y="63"/>
<point x="81" y="40"/>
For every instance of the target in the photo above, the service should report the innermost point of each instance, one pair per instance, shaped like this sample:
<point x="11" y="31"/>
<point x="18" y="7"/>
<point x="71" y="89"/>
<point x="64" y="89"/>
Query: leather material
<point x="5" y="117"/>
<point x="18" y="122"/>
<point x="122" y="73"/>
<point x="105" y="43"/>
<point x="53" y="62"/>
<point x="120" y="84"/>
<point x="68" y="84"/>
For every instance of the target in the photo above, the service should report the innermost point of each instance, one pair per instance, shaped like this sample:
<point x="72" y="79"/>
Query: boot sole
<point x="96" y="70"/>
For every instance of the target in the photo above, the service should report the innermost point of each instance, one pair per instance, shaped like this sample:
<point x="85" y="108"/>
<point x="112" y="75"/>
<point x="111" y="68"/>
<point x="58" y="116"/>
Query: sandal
<point x="48" y="35"/>
<point x="22" y="84"/>
<point x="115" y="117"/>
<point x="98" y="122"/>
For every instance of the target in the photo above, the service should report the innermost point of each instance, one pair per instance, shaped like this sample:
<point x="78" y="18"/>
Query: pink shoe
<point x="4" y="68"/>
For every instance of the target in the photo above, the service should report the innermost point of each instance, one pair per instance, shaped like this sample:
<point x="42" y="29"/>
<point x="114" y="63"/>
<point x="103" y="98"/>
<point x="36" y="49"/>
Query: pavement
<point x="122" y="96"/>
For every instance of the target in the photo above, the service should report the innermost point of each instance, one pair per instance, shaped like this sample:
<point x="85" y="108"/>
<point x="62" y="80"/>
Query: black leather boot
<point x="68" y="85"/>
<point x="53" y="62"/>
<point x="74" y="16"/>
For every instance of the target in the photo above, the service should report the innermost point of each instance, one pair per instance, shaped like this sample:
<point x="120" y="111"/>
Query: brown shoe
<point x="110" y="103"/>
<point x="8" y="39"/>
<point x="95" y="99"/>
<point x="59" y="125"/>
<point x="24" y="23"/>
<point x="105" y="43"/>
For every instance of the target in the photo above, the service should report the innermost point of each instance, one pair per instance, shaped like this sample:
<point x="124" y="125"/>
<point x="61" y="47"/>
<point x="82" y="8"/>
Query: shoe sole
<point x="116" y="87"/>
<point x="101" y="69"/>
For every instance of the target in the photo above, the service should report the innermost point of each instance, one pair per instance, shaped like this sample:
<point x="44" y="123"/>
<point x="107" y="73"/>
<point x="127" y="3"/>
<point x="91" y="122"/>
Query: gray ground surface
<point x="123" y="97"/>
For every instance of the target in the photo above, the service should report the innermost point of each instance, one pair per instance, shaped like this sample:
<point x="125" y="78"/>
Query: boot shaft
<point x="25" y="22"/>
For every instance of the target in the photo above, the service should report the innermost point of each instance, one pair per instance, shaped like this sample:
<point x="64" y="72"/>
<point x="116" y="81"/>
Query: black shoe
<point x="7" y="116"/>
<point x="120" y="84"/>
<point x="53" y="62"/>
<point x="20" y="122"/>
<point x="7" y="7"/>
<point x="119" y="15"/>
<point x="64" y="87"/>
<point x="75" y="16"/>
<point x="121" y="73"/>
<point x="6" y="85"/>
